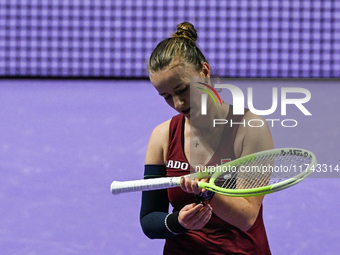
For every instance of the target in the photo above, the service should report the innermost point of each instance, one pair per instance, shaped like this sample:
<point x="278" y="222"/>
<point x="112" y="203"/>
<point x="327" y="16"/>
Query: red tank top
<point x="217" y="237"/>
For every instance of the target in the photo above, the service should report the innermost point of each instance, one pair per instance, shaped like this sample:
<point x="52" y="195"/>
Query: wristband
<point x="166" y="225"/>
<point x="172" y="224"/>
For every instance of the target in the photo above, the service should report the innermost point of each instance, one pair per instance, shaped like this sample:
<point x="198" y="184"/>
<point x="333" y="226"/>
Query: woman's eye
<point x="181" y="91"/>
<point x="167" y="97"/>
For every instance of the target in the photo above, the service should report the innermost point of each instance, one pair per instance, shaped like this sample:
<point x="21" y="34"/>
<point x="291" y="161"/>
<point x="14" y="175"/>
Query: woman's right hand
<point x="195" y="216"/>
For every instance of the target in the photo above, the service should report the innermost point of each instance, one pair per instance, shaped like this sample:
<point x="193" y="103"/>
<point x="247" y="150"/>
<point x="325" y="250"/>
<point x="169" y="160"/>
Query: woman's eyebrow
<point x="174" y="88"/>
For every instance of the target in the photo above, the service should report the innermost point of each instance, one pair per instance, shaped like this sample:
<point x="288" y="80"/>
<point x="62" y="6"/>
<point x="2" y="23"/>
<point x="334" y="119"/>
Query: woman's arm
<point x="155" y="204"/>
<point x="155" y="220"/>
<point x="239" y="211"/>
<point x="157" y="149"/>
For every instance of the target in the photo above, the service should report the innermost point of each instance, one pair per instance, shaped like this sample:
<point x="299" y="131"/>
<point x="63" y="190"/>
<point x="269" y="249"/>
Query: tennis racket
<point x="255" y="174"/>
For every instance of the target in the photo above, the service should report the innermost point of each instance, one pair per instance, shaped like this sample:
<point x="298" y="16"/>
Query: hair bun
<point x="186" y="30"/>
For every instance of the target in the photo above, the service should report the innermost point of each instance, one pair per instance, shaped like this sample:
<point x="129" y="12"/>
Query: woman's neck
<point x="203" y="126"/>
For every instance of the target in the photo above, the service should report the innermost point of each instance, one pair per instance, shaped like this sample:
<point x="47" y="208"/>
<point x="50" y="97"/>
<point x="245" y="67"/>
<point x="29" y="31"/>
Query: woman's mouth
<point x="186" y="111"/>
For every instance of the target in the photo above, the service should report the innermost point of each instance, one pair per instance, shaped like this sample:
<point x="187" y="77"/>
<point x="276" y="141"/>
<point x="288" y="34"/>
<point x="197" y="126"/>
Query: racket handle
<point x="144" y="185"/>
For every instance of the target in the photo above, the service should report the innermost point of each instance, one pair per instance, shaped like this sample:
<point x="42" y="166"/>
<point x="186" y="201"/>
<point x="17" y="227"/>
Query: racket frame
<point x="265" y="189"/>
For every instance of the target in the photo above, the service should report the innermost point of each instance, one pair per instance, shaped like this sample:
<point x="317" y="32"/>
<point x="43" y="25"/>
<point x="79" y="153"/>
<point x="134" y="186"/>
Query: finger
<point x="205" y="209"/>
<point x="188" y="207"/>
<point x="191" y="210"/>
<point x="182" y="183"/>
<point x="185" y="184"/>
<point x="205" y="180"/>
<point x="188" y="184"/>
<point x="201" y="218"/>
<point x="194" y="187"/>
<point x="198" y="215"/>
<point x="205" y="218"/>
<point x="186" y="214"/>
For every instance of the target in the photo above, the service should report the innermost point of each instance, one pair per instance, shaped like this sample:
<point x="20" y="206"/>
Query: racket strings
<point x="263" y="171"/>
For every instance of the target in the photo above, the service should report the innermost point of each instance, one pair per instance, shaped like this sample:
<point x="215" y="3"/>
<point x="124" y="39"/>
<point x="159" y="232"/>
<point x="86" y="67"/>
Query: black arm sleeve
<point x="154" y="209"/>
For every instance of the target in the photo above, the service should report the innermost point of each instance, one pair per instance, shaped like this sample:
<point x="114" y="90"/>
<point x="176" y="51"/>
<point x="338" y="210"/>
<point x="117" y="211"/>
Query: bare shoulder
<point x="253" y="136"/>
<point x="158" y="144"/>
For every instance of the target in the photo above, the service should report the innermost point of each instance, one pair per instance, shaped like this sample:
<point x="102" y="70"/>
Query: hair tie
<point x="190" y="32"/>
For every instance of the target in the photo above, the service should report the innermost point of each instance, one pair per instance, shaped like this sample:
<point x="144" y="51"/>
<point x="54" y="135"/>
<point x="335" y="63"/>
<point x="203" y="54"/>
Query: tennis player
<point x="201" y="222"/>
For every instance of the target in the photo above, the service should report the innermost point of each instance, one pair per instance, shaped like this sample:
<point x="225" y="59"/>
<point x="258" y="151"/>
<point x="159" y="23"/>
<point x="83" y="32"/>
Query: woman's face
<point x="173" y="84"/>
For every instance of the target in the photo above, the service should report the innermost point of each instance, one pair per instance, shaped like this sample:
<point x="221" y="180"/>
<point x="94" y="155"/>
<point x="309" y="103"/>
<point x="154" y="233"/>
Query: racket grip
<point x="144" y="185"/>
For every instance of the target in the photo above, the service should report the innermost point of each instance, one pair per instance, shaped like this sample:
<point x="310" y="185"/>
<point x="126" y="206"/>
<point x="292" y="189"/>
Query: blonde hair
<point x="181" y="44"/>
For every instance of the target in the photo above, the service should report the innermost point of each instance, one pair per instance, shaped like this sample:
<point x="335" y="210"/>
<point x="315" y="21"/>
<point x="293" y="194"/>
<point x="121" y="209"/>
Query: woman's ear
<point x="205" y="70"/>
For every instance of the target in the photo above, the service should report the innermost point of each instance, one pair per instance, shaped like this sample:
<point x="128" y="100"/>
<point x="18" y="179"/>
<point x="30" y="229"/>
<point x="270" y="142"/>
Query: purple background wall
<point x="113" y="38"/>
<point x="63" y="142"/>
